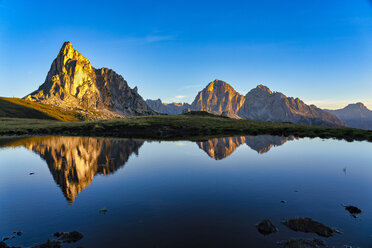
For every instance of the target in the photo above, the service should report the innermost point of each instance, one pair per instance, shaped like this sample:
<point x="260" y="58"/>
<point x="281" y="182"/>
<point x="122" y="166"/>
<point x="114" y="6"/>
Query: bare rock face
<point x="355" y="115"/>
<point x="168" y="108"/>
<point x="219" y="98"/>
<point x="73" y="83"/>
<point x="264" y="105"/>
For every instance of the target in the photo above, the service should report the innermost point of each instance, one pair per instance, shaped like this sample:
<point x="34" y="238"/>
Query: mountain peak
<point x="66" y="48"/>
<point x="264" y="88"/>
<point x="73" y="83"/>
<point x="356" y="106"/>
<point x="219" y="85"/>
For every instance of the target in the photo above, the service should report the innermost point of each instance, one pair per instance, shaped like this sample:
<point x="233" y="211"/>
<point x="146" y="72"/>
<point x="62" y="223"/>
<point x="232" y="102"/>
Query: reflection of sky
<point x="170" y="191"/>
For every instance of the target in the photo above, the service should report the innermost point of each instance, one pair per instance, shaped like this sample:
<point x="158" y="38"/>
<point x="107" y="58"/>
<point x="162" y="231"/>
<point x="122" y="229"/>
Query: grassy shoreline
<point x="174" y="127"/>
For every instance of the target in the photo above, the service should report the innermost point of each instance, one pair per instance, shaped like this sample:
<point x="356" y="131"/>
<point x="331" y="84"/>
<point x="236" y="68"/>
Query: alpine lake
<point x="211" y="193"/>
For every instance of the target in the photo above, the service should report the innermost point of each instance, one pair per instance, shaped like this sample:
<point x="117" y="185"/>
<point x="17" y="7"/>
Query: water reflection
<point x="75" y="161"/>
<point x="223" y="147"/>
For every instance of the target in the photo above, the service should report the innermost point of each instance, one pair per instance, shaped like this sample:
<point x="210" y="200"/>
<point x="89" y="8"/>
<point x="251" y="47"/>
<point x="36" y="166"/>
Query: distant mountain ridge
<point x="261" y="104"/>
<point x="264" y="105"/>
<point x="168" y="108"/>
<point x="73" y="83"/>
<point x="355" y="115"/>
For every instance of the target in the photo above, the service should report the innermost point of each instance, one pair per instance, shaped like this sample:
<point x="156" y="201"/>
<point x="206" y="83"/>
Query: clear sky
<point x="318" y="50"/>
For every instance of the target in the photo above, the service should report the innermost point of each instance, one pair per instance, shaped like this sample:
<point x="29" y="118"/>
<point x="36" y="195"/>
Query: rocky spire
<point x="73" y="83"/>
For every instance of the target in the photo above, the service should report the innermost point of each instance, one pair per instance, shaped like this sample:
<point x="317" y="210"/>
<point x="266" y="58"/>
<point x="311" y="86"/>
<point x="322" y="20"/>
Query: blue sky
<point x="320" y="51"/>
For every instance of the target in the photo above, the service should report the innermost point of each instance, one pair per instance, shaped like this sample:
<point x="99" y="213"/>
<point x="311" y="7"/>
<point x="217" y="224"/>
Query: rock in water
<point x="69" y="237"/>
<point x="266" y="227"/>
<point x="73" y="83"/>
<point x="301" y="243"/>
<point x="309" y="225"/>
<point x="264" y="105"/>
<point x="353" y="210"/>
<point x="49" y="244"/>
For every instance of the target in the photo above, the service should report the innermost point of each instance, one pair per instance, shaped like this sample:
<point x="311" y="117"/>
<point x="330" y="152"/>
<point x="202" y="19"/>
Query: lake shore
<point x="174" y="127"/>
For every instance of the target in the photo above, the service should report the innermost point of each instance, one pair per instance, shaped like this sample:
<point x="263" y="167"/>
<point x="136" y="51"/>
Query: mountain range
<point x="72" y="83"/>
<point x="220" y="98"/>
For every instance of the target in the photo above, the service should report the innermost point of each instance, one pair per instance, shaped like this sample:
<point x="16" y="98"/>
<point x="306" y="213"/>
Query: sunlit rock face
<point x="72" y="83"/>
<point x="168" y="108"/>
<point x="222" y="147"/>
<point x="219" y="98"/>
<point x="263" y="143"/>
<point x="355" y="115"/>
<point x="74" y="161"/>
<point x="263" y="105"/>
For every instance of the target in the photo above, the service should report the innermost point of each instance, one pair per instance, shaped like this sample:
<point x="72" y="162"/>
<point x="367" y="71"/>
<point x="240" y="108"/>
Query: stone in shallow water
<point x="309" y="225"/>
<point x="266" y="227"/>
<point x="3" y="245"/>
<point x="69" y="237"/>
<point x="49" y="244"/>
<point x="353" y="210"/>
<point x="301" y="243"/>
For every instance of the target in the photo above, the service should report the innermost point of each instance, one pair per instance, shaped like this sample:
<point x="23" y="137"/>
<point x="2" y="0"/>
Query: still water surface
<point x="183" y="194"/>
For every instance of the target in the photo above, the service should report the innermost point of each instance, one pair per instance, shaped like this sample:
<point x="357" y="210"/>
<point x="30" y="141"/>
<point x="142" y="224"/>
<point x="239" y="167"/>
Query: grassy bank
<point x="19" y="108"/>
<point x="173" y="127"/>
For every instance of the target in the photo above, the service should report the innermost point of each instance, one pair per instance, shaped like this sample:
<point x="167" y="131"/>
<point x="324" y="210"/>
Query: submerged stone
<point x="266" y="227"/>
<point x="301" y="243"/>
<point x="353" y="210"/>
<point x="309" y="225"/>
<point x="69" y="237"/>
<point x="49" y="244"/>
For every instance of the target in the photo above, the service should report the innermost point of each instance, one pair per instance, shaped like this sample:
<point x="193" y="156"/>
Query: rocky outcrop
<point x="73" y="83"/>
<point x="355" y="115"/>
<point x="264" y="105"/>
<point x="75" y="161"/>
<point x="218" y="98"/>
<point x="168" y="108"/>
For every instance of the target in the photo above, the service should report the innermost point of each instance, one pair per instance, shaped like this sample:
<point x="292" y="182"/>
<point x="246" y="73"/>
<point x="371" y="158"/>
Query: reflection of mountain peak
<point x="74" y="161"/>
<point x="224" y="147"/>
<point x="263" y="143"/>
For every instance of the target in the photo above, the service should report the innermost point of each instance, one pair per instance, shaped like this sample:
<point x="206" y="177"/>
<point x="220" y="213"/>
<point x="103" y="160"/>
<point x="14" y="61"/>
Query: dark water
<point x="183" y="194"/>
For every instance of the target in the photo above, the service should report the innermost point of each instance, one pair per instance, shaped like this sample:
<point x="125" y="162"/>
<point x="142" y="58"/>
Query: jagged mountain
<point x="261" y="104"/>
<point x="219" y="98"/>
<point x="168" y="108"/>
<point x="355" y="115"/>
<point x="73" y="83"/>
<point x="264" y="105"/>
